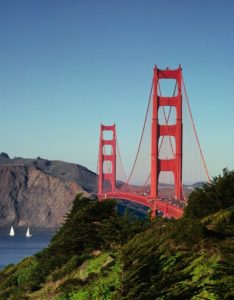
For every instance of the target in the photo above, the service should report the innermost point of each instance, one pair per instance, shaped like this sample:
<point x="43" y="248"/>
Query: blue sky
<point x="67" y="66"/>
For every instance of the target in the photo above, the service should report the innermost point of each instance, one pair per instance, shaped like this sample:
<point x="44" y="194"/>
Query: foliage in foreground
<point x="91" y="229"/>
<point x="212" y="196"/>
<point x="98" y="254"/>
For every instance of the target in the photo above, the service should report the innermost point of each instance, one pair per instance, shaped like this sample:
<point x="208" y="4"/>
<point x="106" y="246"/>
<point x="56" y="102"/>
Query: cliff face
<point x="29" y="196"/>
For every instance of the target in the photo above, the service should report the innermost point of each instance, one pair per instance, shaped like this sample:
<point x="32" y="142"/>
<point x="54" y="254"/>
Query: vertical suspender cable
<point x="121" y="163"/>
<point x="195" y="131"/>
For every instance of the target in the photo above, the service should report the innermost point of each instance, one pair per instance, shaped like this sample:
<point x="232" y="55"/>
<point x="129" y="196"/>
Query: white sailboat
<point x="12" y="232"/>
<point x="28" y="234"/>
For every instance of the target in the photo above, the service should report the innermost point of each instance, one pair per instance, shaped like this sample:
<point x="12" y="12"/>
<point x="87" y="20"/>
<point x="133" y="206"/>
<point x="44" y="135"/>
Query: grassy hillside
<point x="98" y="254"/>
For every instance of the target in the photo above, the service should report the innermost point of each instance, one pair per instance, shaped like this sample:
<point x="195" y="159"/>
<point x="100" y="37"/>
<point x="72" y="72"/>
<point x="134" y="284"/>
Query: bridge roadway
<point x="169" y="207"/>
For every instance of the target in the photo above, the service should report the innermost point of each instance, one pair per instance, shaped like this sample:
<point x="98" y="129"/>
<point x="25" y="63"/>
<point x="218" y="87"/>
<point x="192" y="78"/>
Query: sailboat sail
<point x="28" y="234"/>
<point x="12" y="232"/>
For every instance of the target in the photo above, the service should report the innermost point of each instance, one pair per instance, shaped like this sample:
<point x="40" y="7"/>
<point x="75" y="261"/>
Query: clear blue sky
<point x="67" y="66"/>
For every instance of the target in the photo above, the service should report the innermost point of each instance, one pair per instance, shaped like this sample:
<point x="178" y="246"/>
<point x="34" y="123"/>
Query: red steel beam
<point x="169" y="210"/>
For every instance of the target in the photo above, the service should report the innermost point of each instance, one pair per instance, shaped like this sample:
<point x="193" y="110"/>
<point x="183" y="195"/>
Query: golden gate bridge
<point x="172" y="156"/>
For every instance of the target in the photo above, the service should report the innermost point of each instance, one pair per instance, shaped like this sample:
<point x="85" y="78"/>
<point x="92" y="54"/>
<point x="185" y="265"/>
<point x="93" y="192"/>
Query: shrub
<point x="211" y="197"/>
<point x="189" y="231"/>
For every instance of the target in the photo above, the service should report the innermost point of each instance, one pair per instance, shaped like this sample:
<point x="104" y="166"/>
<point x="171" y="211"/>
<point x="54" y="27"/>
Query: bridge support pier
<point x="153" y="213"/>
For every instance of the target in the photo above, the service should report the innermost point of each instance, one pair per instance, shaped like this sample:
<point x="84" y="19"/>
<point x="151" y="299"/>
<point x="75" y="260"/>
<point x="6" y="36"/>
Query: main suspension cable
<point x="166" y="122"/>
<point x="195" y="131"/>
<point x="142" y="133"/>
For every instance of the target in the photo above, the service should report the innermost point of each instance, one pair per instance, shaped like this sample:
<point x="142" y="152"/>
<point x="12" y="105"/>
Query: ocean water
<point x="14" y="249"/>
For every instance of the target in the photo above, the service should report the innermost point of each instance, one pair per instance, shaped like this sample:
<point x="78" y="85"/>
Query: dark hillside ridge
<point x="63" y="170"/>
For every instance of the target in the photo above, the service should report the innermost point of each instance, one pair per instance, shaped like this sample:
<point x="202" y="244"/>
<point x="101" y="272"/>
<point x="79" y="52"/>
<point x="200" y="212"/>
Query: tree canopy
<point x="212" y="196"/>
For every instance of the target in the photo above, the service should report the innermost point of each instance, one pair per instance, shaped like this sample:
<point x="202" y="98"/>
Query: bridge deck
<point x="170" y="208"/>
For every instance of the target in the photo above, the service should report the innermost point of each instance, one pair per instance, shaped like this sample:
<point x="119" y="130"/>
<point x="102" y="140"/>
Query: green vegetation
<point x="84" y="252"/>
<point x="213" y="196"/>
<point x="98" y="254"/>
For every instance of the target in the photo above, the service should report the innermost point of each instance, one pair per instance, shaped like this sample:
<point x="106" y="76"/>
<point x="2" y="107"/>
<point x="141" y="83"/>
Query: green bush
<point x="211" y="197"/>
<point x="70" y="266"/>
<point x="189" y="231"/>
<point x="220" y="217"/>
<point x="27" y="277"/>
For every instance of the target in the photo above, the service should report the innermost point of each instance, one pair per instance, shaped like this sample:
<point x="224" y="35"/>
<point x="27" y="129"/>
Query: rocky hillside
<point x="63" y="170"/>
<point x="39" y="192"/>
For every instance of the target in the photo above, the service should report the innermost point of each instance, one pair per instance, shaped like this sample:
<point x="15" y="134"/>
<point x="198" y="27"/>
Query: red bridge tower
<point x="159" y="165"/>
<point x="109" y="177"/>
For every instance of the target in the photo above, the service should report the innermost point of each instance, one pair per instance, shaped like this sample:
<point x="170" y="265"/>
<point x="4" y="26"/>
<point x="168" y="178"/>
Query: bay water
<point x="15" y="248"/>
